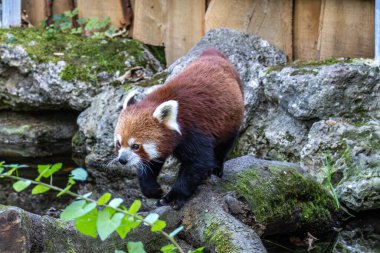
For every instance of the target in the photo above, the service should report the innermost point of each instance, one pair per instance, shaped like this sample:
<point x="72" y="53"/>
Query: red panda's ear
<point x="166" y="113"/>
<point x="130" y="99"/>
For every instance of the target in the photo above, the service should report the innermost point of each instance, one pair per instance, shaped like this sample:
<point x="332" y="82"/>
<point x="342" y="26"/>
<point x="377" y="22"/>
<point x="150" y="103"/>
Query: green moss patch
<point x="85" y="57"/>
<point x="220" y="238"/>
<point x="277" y="196"/>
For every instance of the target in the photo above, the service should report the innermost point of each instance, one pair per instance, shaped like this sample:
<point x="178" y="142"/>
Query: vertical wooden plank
<point x="235" y="14"/>
<point x="272" y="20"/>
<point x="11" y="13"/>
<point x="36" y="11"/>
<point x="269" y="19"/>
<point x="347" y="29"/>
<point x="185" y="27"/>
<point x="102" y="9"/>
<point x="149" y="23"/>
<point x="60" y="6"/>
<point x="306" y="29"/>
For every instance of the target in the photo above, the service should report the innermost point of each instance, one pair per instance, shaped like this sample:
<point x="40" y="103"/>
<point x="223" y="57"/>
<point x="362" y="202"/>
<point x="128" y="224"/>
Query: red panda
<point x="195" y="116"/>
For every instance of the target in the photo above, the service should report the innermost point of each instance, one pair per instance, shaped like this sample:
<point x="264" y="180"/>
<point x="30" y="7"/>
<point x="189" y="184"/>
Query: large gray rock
<point x="352" y="153"/>
<point x="29" y="86"/>
<point x="319" y="92"/>
<point x="36" y="128"/>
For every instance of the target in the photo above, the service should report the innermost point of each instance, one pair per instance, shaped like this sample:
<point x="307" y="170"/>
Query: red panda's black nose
<point x="123" y="160"/>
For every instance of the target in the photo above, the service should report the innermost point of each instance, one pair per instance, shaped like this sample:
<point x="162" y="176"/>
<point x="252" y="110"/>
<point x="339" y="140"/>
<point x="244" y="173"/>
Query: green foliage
<point x="77" y="209"/>
<point x="108" y="221"/>
<point x="136" y="247"/>
<point x="328" y="168"/>
<point x="95" y="217"/>
<point x="21" y="185"/>
<point x="170" y="248"/>
<point x="104" y="199"/>
<point x="63" y="23"/>
<point x="38" y="189"/>
<point x="79" y="174"/>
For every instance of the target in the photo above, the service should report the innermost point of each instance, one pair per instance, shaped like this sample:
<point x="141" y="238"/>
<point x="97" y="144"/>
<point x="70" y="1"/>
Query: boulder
<point x="38" y="72"/>
<point x="318" y="92"/>
<point x="21" y="128"/>
<point x="351" y="154"/>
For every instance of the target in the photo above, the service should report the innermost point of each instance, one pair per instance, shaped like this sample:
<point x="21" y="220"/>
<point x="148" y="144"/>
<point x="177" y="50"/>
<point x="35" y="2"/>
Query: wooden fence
<point x="304" y="29"/>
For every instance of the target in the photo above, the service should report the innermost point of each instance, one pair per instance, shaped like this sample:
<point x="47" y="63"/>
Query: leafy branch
<point x="88" y="220"/>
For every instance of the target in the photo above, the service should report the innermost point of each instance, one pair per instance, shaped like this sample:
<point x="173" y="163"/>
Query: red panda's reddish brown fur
<point x="210" y="102"/>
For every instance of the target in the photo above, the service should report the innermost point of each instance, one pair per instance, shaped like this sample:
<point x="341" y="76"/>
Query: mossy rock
<point x="86" y="58"/>
<point x="283" y="200"/>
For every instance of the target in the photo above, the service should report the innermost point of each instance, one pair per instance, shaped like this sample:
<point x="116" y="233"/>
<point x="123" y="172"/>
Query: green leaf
<point x="79" y="174"/>
<point x="158" y="226"/>
<point x="151" y="218"/>
<point x="82" y="21"/>
<point x="77" y="209"/>
<point x="135" y="207"/>
<point x="126" y="225"/>
<point x="199" y="250"/>
<point x="86" y="224"/>
<point x="119" y="251"/>
<point x="47" y="170"/>
<point x="170" y="248"/>
<point x="107" y="225"/>
<point x="176" y="231"/>
<point x="135" y="247"/>
<point x="40" y="189"/>
<point x="1" y="169"/>
<point x="21" y="185"/>
<point x="115" y="202"/>
<point x="104" y="199"/>
<point x="10" y="172"/>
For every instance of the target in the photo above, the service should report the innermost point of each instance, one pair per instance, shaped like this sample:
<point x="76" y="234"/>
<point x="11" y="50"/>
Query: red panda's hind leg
<point x="147" y="176"/>
<point x="197" y="157"/>
<point x="221" y="150"/>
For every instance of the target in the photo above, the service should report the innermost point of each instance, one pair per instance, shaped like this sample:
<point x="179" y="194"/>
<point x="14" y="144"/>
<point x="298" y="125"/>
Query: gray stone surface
<point x="353" y="154"/>
<point x="22" y="128"/>
<point x="319" y="92"/>
<point x="27" y="86"/>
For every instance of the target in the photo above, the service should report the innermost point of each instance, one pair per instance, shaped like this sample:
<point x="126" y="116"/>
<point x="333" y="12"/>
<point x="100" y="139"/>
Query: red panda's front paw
<point x="175" y="200"/>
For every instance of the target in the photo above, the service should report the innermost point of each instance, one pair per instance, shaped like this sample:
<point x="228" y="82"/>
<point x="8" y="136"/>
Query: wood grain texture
<point x="185" y="27"/>
<point x="347" y="28"/>
<point x="149" y="24"/>
<point x="102" y="9"/>
<point x="306" y="29"/>
<point x="269" y="19"/>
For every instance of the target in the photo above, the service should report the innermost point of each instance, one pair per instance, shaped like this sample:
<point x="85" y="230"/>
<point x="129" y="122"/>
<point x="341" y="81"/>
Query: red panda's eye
<point x="135" y="147"/>
<point x="118" y="144"/>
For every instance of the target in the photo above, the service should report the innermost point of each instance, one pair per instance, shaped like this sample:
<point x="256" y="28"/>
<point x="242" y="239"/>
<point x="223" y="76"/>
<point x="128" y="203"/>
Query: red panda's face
<point x="137" y="138"/>
<point x="144" y="132"/>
